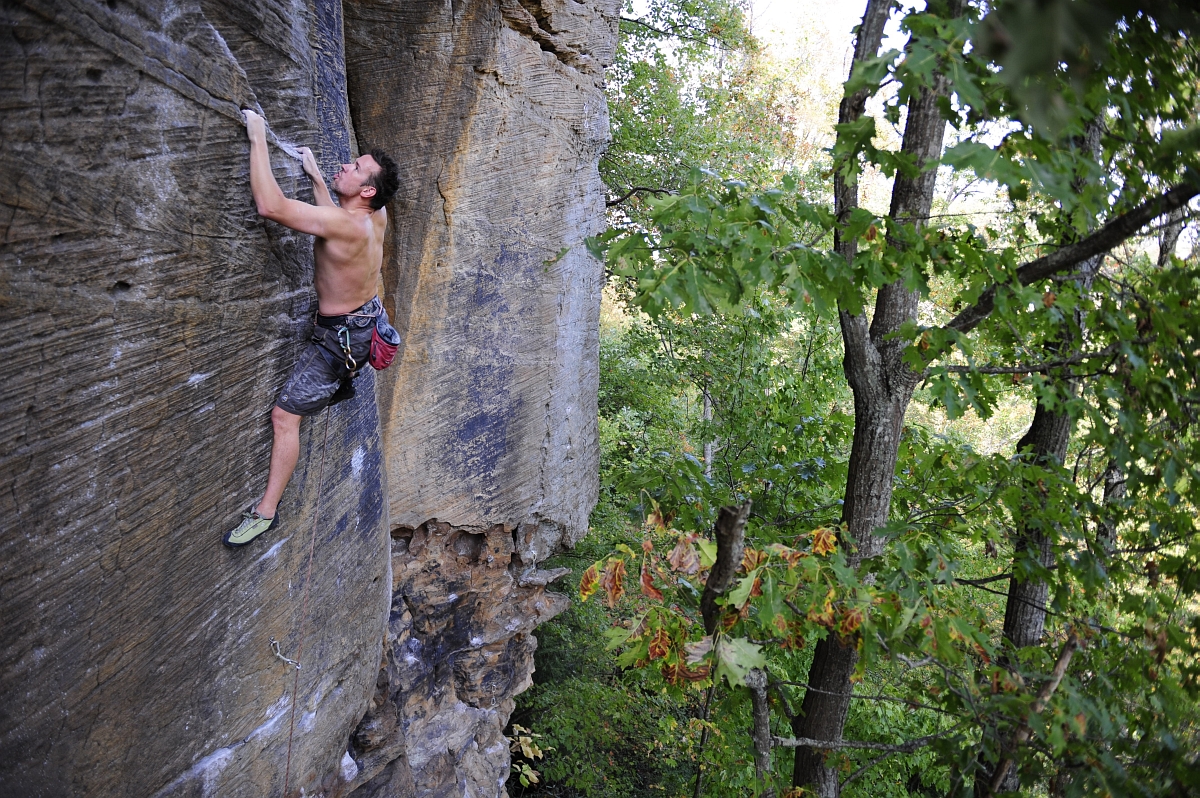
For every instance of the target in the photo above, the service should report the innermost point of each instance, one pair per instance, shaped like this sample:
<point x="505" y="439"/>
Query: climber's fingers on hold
<point x="254" y="122"/>
<point x="309" y="162"/>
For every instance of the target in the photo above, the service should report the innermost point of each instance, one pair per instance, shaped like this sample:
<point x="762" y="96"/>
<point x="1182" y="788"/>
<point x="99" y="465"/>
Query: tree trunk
<point x="1045" y="443"/>
<point x="1025" y="612"/>
<point x="882" y="385"/>
<point x="730" y="532"/>
<point x="756" y="680"/>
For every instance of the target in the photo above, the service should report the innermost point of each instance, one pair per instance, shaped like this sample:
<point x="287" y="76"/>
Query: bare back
<point x="348" y="266"/>
<point x="349" y="234"/>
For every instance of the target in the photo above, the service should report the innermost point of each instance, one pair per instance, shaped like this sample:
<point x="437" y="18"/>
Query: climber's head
<point x="374" y="177"/>
<point x="385" y="181"/>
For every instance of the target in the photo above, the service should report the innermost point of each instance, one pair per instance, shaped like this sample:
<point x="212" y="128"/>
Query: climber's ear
<point x="367" y="191"/>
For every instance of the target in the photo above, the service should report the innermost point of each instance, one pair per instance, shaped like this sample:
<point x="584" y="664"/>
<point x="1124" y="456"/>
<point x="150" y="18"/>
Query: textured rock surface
<point x="149" y="318"/>
<point x="490" y="418"/>
<point x="459" y="649"/>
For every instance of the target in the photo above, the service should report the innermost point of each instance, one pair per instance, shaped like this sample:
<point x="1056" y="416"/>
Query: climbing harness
<point x="385" y="340"/>
<point x="312" y="547"/>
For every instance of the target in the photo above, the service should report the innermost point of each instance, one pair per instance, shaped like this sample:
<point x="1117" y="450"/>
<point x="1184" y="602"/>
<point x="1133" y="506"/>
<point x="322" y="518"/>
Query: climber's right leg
<point x="320" y="378"/>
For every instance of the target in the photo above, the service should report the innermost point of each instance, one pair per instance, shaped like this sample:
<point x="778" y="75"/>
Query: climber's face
<point x="352" y="177"/>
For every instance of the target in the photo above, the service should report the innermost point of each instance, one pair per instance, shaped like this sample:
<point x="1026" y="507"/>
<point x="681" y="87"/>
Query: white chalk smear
<point x="271" y="552"/>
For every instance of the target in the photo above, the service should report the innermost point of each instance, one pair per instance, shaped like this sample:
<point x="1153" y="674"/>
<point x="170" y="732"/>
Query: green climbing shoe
<point x="251" y="527"/>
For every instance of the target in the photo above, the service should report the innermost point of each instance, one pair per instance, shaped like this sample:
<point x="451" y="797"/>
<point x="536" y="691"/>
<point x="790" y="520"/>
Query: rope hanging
<point x="312" y="546"/>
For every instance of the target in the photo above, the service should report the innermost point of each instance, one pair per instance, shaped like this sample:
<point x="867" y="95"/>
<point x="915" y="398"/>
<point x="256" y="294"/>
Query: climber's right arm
<point x="267" y="195"/>
<point x="326" y="221"/>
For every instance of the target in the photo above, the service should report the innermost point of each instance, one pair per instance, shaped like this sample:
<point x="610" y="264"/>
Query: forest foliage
<point x="916" y="607"/>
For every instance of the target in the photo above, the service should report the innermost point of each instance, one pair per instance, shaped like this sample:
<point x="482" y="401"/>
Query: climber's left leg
<point x="285" y="451"/>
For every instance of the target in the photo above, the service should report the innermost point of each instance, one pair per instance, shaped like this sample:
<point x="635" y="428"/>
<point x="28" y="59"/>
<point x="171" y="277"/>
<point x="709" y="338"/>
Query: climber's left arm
<point x="320" y="191"/>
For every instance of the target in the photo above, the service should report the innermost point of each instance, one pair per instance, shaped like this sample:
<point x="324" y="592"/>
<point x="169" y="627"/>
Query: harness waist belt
<point x="344" y="320"/>
<point x="333" y="322"/>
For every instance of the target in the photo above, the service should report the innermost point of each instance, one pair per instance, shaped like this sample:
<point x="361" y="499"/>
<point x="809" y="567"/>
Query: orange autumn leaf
<point x="1048" y="298"/>
<point x="786" y="553"/>
<point x="752" y="558"/>
<point x="660" y="644"/>
<point x="824" y="616"/>
<point x="670" y="674"/>
<point x="824" y="541"/>
<point x="589" y="582"/>
<point x="655" y="520"/>
<point x="648" y="588"/>
<point x="849" y="622"/>
<point x="679" y="674"/>
<point x="613" y="581"/>
<point x="647" y="546"/>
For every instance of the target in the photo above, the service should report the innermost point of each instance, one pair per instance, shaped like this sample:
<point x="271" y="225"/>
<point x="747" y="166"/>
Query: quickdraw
<point x="343" y="336"/>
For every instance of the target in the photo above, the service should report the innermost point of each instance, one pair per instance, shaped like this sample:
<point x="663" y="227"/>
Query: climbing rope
<point x="312" y="547"/>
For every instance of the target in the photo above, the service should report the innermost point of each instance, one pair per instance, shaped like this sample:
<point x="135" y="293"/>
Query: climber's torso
<point x="347" y="267"/>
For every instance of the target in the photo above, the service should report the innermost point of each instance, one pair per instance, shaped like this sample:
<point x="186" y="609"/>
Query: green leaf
<point x="736" y="656"/>
<point x="741" y="593"/>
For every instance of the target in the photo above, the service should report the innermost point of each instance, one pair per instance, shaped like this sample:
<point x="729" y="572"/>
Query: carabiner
<point x="343" y="334"/>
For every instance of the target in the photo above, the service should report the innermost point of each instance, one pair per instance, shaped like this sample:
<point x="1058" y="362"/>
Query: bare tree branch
<point x="636" y="189"/>
<point x="1023" y="733"/>
<point x="1038" y="368"/>
<point x="1099" y="242"/>
<point x="829" y="745"/>
<point x="978" y="582"/>
<point x="876" y="760"/>
<point x="908" y="702"/>
<point x="705" y="36"/>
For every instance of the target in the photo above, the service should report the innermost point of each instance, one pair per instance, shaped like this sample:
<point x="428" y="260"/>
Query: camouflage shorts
<point x="321" y="377"/>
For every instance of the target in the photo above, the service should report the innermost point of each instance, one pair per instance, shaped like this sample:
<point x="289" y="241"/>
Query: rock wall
<point x="149" y="317"/>
<point x="490" y="418"/>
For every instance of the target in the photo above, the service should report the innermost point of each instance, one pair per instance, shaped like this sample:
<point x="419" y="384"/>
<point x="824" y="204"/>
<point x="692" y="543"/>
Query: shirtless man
<point x="348" y="251"/>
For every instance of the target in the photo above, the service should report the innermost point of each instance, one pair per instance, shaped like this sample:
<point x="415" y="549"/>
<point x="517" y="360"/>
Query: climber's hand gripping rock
<point x="309" y="161"/>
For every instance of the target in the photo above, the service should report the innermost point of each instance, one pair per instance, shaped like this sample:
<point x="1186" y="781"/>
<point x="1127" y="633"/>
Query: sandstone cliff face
<point x="149" y="318"/>
<point x="490" y="419"/>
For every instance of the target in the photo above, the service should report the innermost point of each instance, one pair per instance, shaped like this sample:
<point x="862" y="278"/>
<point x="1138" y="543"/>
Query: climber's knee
<point x="284" y="422"/>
